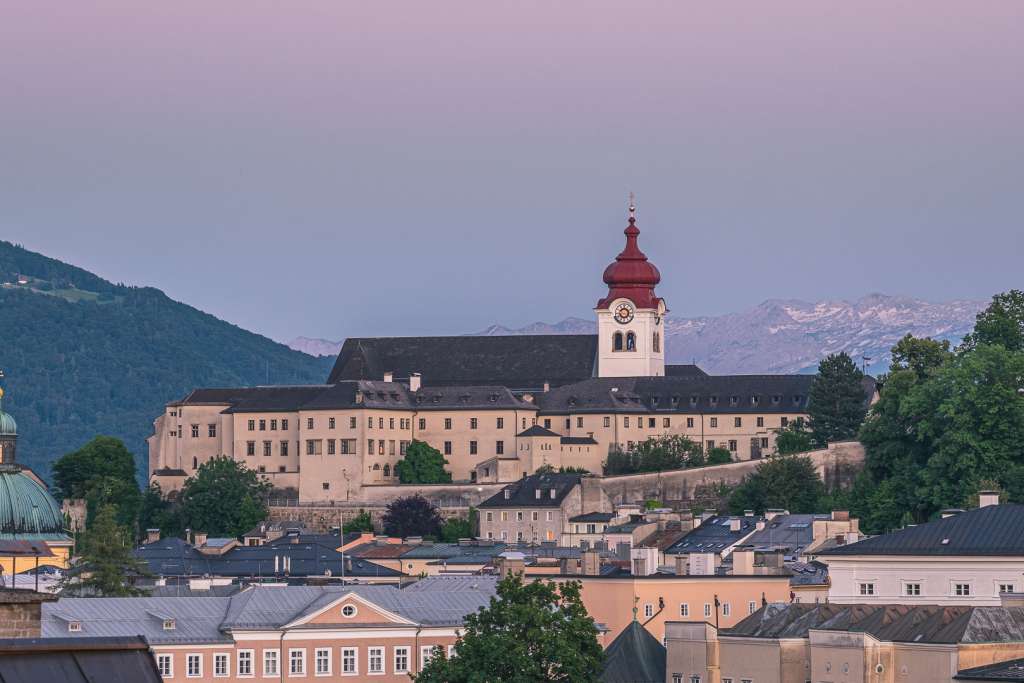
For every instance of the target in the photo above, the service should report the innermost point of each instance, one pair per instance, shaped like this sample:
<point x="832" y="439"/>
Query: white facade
<point x="631" y="340"/>
<point x="924" y="580"/>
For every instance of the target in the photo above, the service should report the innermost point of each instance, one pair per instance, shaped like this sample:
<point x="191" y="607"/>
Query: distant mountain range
<point x="778" y="336"/>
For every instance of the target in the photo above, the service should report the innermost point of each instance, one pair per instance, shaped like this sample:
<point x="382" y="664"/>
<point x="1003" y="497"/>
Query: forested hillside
<point x="84" y="356"/>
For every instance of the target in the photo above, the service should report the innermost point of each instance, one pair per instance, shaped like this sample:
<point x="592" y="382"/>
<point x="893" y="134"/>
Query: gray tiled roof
<point x="175" y="557"/>
<point x="995" y="530"/>
<point x="785" y="531"/>
<point x="713" y="535"/>
<point x="1010" y="671"/>
<point x="519" y="362"/>
<point x="207" y="619"/>
<point x="894" y="623"/>
<point x="197" y="620"/>
<point x="523" y="493"/>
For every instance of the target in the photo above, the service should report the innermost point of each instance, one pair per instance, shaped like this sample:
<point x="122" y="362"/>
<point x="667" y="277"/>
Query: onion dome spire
<point x="631" y="276"/>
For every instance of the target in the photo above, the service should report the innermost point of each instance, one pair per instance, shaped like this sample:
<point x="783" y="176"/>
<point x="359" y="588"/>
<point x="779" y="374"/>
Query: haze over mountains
<point x="777" y="336"/>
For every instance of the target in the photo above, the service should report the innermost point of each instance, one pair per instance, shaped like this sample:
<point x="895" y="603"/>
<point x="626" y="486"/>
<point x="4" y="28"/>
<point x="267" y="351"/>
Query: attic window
<point x="945" y="541"/>
<point x="436" y="398"/>
<point x="508" y="494"/>
<point x="675" y="400"/>
<point x="693" y="400"/>
<point x="733" y="400"/>
<point x="494" y="398"/>
<point x="654" y="400"/>
<point x="74" y="626"/>
<point x="419" y="399"/>
<point x="713" y="400"/>
<point x="168" y="624"/>
<point x="348" y="611"/>
<point x="754" y="400"/>
<point x="394" y="396"/>
<point x="536" y="494"/>
<point x="776" y="398"/>
<point x="796" y="399"/>
<point x="552" y="494"/>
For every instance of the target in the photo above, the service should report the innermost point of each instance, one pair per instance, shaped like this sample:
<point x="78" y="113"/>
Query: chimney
<point x="510" y="563"/>
<point x="591" y="563"/>
<point x="547" y="387"/>
<point x="389" y="376"/>
<point x="769" y="514"/>
<point x="760" y="525"/>
<point x="414" y="381"/>
<point x="152" y="535"/>
<point x="734" y="523"/>
<point x="987" y="498"/>
<point x="1011" y="599"/>
<point x="743" y="561"/>
<point x="199" y="539"/>
<point x="748" y="513"/>
<point x="840" y="515"/>
<point x="681" y="565"/>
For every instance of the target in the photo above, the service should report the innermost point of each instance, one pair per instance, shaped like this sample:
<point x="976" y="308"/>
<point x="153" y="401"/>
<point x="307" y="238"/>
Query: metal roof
<point x="995" y="530"/>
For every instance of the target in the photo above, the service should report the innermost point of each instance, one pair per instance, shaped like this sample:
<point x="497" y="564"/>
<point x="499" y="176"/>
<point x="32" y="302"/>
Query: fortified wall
<point x="837" y="465"/>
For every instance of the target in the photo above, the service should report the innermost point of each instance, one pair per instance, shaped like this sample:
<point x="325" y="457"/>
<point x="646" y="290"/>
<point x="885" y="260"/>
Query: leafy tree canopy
<point x="455" y="528"/>
<point x="787" y="482"/>
<point x="719" y="456"/>
<point x="412" y="516"/>
<point x="793" y="438"/>
<point x="105" y="565"/>
<point x="946" y="424"/>
<point x="535" y="631"/>
<point x="1002" y="323"/>
<point x="672" y="452"/>
<point x="224" y="498"/>
<point x="422" y="464"/>
<point x="836" y="401"/>
<point x="102" y="472"/>
<point x="361" y="522"/>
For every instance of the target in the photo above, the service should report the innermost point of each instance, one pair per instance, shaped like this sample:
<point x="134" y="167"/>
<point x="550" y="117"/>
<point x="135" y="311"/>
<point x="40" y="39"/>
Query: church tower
<point x="631" y="318"/>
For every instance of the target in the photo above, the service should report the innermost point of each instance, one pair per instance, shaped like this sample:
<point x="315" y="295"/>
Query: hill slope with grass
<point x="84" y="356"/>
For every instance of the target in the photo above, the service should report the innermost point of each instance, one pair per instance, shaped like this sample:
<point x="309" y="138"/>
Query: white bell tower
<point x="631" y="318"/>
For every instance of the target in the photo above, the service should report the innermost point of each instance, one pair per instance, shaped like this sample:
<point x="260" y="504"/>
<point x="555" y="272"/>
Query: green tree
<point x="719" y="456"/>
<point x="224" y="498"/>
<point x="156" y="512"/>
<point x="106" y="566"/>
<point x="455" y="528"/>
<point x="422" y="464"/>
<point x="837" y="403"/>
<point x="1002" y="323"/>
<point x="536" y="631"/>
<point x="102" y="472"/>
<point x="793" y="438"/>
<point x="361" y="522"/>
<point x="412" y="516"/>
<point x="922" y="356"/>
<point x="788" y="482"/>
<point x="656" y="454"/>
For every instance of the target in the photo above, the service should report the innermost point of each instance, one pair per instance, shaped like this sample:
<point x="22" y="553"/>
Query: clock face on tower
<point x="623" y="313"/>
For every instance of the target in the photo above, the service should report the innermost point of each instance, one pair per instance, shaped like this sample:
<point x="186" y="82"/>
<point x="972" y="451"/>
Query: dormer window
<point x="168" y="624"/>
<point x="693" y="400"/>
<point x="74" y="626"/>
<point x="775" y="399"/>
<point x="796" y="399"/>
<point x="713" y="400"/>
<point x="508" y="494"/>
<point x="494" y="398"/>
<point x="552" y="494"/>
<point x="754" y="400"/>
<point x="733" y="400"/>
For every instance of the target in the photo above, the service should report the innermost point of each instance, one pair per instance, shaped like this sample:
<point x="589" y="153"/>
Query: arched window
<point x="376" y="466"/>
<point x="617" y="342"/>
<point x="630" y="341"/>
<point x="387" y="470"/>
<point x="657" y="342"/>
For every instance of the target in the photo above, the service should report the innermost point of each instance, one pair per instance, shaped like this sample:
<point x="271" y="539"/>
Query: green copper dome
<point x="26" y="507"/>
<point x="8" y="427"/>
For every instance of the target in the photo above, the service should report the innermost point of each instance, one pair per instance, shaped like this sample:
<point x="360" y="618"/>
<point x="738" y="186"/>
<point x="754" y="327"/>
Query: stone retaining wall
<point x="837" y="464"/>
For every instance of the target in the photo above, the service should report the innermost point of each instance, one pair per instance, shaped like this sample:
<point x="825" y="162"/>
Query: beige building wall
<point x="452" y="432"/>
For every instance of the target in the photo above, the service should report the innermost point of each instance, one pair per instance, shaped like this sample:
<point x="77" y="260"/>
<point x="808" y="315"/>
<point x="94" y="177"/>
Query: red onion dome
<point x="631" y="276"/>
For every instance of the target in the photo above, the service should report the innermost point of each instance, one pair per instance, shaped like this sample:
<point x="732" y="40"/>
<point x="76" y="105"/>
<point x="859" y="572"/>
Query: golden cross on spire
<point x="632" y="205"/>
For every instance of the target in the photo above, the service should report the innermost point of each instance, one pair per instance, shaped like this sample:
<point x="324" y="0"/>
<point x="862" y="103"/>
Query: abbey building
<point x="496" y="407"/>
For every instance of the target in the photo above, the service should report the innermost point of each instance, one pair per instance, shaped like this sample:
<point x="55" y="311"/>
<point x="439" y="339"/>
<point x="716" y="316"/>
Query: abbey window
<point x="617" y="342"/>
